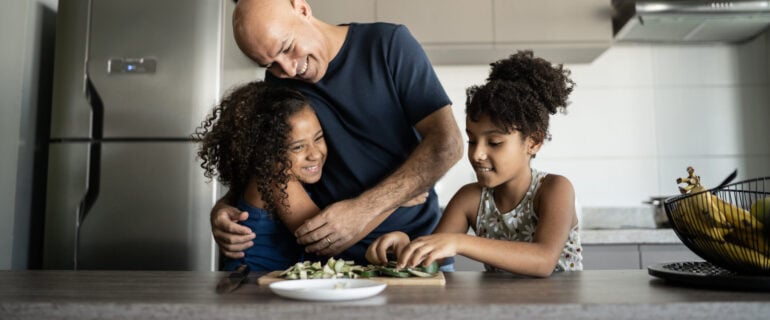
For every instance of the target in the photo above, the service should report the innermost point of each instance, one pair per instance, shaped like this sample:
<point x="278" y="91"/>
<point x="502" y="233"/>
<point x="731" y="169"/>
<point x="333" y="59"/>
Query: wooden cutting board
<point x="437" y="280"/>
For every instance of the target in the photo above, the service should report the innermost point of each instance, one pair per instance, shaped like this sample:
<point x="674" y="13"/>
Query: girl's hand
<point x="394" y="242"/>
<point x="425" y="250"/>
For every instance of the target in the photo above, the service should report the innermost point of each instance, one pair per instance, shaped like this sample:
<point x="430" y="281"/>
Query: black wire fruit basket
<point x="728" y="226"/>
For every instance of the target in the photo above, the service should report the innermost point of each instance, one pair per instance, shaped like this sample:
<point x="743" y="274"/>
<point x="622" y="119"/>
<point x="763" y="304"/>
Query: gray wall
<point x="26" y="60"/>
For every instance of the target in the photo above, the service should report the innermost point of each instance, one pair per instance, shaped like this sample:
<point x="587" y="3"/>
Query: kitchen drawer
<point x="634" y="256"/>
<point x="466" y="264"/>
<point x="602" y="257"/>
<point x="660" y="253"/>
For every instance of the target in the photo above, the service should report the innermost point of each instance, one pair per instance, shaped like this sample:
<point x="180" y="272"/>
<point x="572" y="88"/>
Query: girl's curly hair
<point x="245" y="137"/>
<point x="521" y="93"/>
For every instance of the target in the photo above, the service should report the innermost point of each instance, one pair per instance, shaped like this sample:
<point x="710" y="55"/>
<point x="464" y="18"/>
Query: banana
<point x="719" y="229"/>
<point x="720" y="211"/>
<point x="701" y="202"/>
<point x="701" y="206"/>
<point x="737" y="217"/>
<point x="698" y="223"/>
<point x="746" y="256"/>
<point x="734" y="255"/>
<point x="752" y="240"/>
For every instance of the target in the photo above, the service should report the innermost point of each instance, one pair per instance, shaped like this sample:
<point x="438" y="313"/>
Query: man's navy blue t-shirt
<point x="374" y="91"/>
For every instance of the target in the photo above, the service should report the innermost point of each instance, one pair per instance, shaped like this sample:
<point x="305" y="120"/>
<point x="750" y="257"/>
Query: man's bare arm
<point x="441" y="147"/>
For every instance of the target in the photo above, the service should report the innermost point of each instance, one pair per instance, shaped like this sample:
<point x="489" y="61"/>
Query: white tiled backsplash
<point x="641" y="114"/>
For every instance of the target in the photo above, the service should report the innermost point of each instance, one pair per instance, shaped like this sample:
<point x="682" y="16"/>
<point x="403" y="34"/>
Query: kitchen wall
<point x="642" y="113"/>
<point x="26" y="61"/>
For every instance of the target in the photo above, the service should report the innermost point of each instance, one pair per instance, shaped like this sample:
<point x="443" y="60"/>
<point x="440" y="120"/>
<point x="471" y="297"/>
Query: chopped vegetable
<point x="392" y="272"/>
<point x="334" y="269"/>
<point x="419" y="273"/>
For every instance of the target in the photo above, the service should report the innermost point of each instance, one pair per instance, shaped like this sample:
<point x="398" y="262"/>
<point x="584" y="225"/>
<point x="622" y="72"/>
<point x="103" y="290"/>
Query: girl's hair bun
<point x="551" y="83"/>
<point x="521" y="93"/>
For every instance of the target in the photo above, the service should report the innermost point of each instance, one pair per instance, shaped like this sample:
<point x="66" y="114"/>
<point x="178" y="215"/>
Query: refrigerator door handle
<point x="94" y="152"/>
<point x="94" y="161"/>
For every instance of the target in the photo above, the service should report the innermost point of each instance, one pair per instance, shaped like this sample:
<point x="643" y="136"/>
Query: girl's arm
<point x="459" y="214"/>
<point x="301" y="207"/>
<point x="455" y="219"/>
<point x="555" y="204"/>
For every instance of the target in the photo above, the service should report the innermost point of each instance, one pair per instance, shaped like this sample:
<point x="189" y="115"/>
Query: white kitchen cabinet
<point x="581" y="21"/>
<point x="483" y="31"/>
<point x="441" y="21"/>
<point x="560" y="31"/>
<point x="343" y="11"/>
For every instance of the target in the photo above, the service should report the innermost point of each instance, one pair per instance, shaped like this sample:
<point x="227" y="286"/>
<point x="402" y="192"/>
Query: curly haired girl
<point x="264" y="142"/>
<point x="525" y="220"/>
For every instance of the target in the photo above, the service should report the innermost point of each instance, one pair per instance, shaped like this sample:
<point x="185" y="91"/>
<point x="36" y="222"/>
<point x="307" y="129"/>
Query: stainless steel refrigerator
<point x="132" y="81"/>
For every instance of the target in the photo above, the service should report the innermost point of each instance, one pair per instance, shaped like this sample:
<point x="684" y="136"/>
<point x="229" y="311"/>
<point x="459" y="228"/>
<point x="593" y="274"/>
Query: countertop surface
<point x="628" y="236"/>
<point x="623" y="225"/>
<point x="600" y="294"/>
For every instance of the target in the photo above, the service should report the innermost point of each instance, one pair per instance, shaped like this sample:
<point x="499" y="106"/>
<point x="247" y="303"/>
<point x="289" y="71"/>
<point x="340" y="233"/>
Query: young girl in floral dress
<point x="525" y="219"/>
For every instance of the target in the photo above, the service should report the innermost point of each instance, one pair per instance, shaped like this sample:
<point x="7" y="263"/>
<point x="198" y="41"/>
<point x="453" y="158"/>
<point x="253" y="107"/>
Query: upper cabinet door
<point x="441" y="21"/>
<point x="343" y="11"/>
<point x="552" y="20"/>
<point x="481" y="31"/>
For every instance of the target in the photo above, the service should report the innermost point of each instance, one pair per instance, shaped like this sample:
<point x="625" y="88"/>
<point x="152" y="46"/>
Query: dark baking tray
<point x="706" y="275"/>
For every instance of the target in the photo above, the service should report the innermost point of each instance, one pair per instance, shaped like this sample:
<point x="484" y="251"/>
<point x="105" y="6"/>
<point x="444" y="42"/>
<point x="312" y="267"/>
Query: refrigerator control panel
<point x="131" y="65"/>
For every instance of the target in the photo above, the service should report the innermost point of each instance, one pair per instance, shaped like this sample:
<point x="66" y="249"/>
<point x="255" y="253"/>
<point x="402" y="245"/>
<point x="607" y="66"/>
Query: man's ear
<point x="302" y="7"/>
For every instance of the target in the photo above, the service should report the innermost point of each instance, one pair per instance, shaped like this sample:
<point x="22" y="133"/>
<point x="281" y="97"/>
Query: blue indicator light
<point x="130" y="67"/>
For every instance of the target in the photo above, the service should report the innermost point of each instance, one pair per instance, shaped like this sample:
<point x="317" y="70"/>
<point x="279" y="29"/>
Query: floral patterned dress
<point x="520" y="223"/>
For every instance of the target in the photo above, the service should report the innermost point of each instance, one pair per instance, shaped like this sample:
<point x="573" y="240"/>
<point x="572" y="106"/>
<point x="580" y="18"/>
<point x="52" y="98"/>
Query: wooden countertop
<point x="600" y="294"/>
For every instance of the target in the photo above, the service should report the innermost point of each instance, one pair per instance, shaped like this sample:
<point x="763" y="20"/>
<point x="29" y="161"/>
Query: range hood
<point x="689" y="20"/>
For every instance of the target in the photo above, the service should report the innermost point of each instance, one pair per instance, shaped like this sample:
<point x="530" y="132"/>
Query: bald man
<point x="388" y="124"/>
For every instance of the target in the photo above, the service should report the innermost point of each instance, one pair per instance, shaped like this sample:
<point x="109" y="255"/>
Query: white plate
<point x="327" y="289"/>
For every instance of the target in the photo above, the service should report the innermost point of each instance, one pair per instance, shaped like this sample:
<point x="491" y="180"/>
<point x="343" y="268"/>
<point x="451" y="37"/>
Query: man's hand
<point x="343" y="224"/>
<point x="231" y="237"/>
<point x="334" y="229"/>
